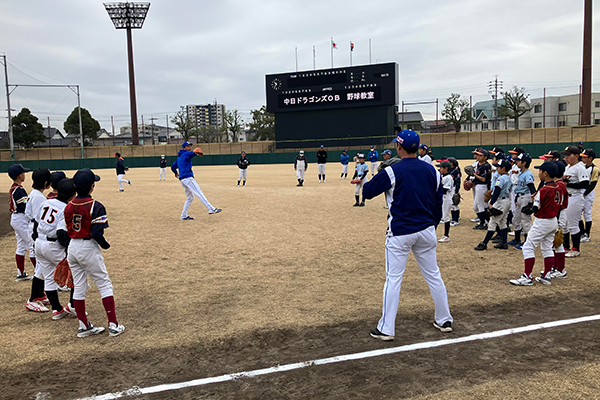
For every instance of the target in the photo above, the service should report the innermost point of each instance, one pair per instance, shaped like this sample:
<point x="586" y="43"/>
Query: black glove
<point x="528" y="209"/>
<point x="494" y="212"/>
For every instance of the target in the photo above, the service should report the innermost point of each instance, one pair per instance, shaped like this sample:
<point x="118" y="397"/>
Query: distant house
<point x="485" y="118"/>
<point x="54" y="138"/>
<point x="437" y="126"/>
<point x="410" y="120"/>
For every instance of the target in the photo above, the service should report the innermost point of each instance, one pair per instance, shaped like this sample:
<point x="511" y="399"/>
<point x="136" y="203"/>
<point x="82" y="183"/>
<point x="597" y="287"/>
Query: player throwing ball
<point x="182" y="168"/>
<point x="413" y="216"/>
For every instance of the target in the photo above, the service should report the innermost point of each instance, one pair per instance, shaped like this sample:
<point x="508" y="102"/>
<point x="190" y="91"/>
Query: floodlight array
<point x="127" y="15"/>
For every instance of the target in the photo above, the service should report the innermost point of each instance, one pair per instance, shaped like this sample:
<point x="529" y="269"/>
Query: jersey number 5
<point x="76" y="222"/>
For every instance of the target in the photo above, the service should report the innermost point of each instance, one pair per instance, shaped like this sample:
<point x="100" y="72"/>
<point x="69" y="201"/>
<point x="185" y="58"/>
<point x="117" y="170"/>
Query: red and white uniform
<point x="549" y="200"/>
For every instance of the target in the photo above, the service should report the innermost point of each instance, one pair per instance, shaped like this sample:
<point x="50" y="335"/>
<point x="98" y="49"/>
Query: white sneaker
<point x="56" y="315"/>
<point x="324" y="181"/>
<point x="556" y="274"/>
<point x="35" y="306"/>
<point x="454" y="223"/>
<point x="444" y="239"/>
<point x="544" y="279"/>
<point x="573" y="253"/>
<point x="89" y="330"/>
<point x="70" y="309"/>
<point x="115" y="330"/>
<point x="585" y="239"/>
<point x="475" y="220"/>
<point x="523" y="280"/>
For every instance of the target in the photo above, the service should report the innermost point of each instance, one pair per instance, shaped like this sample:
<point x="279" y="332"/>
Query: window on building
<point x="597" y="104"/>
<point x="562" y="123"/>
<point x="597" y="122"/>
<point x="537" y="125"/>
<point x="484" y="126"/>
<point x="562" y="106"/>
<point x="537" y="109"/>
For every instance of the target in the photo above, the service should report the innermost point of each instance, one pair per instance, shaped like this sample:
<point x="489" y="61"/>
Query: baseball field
<point x="289" y="275"/>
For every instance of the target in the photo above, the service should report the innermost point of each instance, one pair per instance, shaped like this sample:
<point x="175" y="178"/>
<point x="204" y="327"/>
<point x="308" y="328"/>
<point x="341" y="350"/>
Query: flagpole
<point x="350" y="53"/>
<point x="314" y="58"/>
<point x="331" y="52"/>
<point x="296" y="59"/>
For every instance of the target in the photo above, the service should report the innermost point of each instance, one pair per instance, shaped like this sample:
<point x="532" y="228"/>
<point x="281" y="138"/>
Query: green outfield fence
<point x="458" y="145"/>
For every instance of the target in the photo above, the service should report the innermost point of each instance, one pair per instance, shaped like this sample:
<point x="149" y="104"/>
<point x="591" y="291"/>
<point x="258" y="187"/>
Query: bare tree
<point x="456" y="111"/>
<point x="184" y="125"/>
<point x="515" y="104"/>
<point x="234" y="125"/>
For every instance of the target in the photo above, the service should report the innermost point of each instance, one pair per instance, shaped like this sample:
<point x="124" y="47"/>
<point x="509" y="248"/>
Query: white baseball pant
<point x="500" y="220"/>
<point x="479" y="201"/>
<point x="423" y="245"/>
<point x="48" y="255"/>
<point x="374" y="165"/>
<point x="243" y="174"/>
<point x="191" y="188"/>
<point x="359" y="186"/>
<point x="163" y="174"/>
<point x="573" y="211"/>
<point x="20" y="223"/>
<point x="85" y="259"/>
<point x="121" y="179"/>
<point x="300" y="173"/>
<point x="562" y="224"/>
<point x="513" y="206"/>
<point x="344" y="169"/>
<point x="522" y="222"/>
<point x="321" y="168"/>
<point x="541" y="234"/>
<point x="588" y="203"/>
<point x="446" y="206"/>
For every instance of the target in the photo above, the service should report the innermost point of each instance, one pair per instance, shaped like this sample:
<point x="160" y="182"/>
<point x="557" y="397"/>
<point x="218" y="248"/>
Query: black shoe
<point x="480" y="227"/>
<point x="447" y="327"/>
<point x="496" y="239"/>
<point x="481" y="246"/>
<point x="378" y="335"/>
<point x="362" y="204"/>
<point x="296" y="185"/>
<point x="356" y="204"/>
<point x="502" y="246"/>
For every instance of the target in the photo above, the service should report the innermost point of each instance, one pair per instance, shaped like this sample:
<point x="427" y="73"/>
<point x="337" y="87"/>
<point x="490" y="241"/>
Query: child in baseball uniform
<point x="448" y="185"/>
<point x="18" y="220"/>
<point x="481" y="184"/>
<point x="121" y="168"/>
<point x="359" y="178"/>
<point x="85" y="221"/>
<point x="457" y="176"/>
<point x="300" y="166"/>
<point x="424" y="154"/>
<point x="41" y="182"/>
<point x="55" y="177"/>
<point x="558" y="270"/>
<point x="589" y="195"/>
<point x="499" y="206"/>
<point x="546" y="206"/>
<point x="182" y="168"/>
<point x="577" y="180"/>
<point x="523" y="192"/>
<point x="344" y="160"/>
<point x="51" y="244"/>
<point x="321" y="163"/>
<point x="243" y="164"/>
<point x="162" y="176"/>
<point x="374" y="159"/>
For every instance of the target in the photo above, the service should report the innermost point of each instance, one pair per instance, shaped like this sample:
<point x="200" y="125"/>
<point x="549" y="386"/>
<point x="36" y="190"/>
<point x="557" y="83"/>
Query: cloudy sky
<point x="196" y="51"/>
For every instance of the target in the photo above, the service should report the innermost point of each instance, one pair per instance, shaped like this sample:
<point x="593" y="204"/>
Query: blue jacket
<point x="373" y="156"/>
<point x="344" y="159"/>
<point x="184" y="164"/>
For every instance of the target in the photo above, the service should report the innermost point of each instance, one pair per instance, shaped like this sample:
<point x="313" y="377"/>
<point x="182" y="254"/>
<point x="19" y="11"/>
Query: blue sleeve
<point x="496" y="194"/>
<point x="377" y="185"/>
<point x="174" y="167"/>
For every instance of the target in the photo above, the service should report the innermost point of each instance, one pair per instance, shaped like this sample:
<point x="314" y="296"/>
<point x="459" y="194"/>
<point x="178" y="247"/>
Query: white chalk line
<point x="135" y="391"/>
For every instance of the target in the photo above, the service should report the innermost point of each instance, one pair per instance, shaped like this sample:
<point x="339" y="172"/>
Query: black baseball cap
<point x="553" y="154"/>
<point x="85" y="178"/>
<point x="482" y="152"/>
<point x="16" y="170"/>
<point x="444" y="164"/>
<point x="588" y="153"/>
<point x="56" y="177"/>
<point x="517" y="150"/>
<point x="524" y="157"/>
<point x="550" y="167"/>
<point x="571" y="150"/>
<point x="66" y="188"/>
<point x="502" y="163"/>
<point x="497" y="150"/>
<point x="41" y="176"/>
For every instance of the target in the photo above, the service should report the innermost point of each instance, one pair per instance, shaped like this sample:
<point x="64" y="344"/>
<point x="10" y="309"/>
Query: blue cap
<point x="85" y="178"/>
<point x="551" y="167"/>
<point x="408" y="139"/>
<point x="343" y="151"/>
<point x="388" y="151"/>
<point x="322" y="146"/>
<point x="580" y="143"/>
<point x="16" y="170"/>
<point x="424" y="146"/>
<point x="185" y="144"/>
<point x="524" y="157"/>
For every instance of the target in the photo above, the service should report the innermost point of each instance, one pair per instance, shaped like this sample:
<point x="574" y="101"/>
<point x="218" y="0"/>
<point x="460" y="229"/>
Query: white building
<point x="206" y="114"/>
<point x="561" y="111"/>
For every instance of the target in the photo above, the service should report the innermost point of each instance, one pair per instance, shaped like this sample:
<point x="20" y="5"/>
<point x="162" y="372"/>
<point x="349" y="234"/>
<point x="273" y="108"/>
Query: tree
<point x="456" y="111"/>
<point x="515" y="104"/>
<point x="234" y="125"/>
<point x="90" y="126"/>
<point x="184" y="125"/>
<point x="262" y="126"/>
<point x="26" y="129"/>
<point x="210" y="134"/>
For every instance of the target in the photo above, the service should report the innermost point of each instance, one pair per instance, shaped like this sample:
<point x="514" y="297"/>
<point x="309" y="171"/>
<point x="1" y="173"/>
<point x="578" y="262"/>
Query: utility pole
<point x="586" y="82"/>
<point x="152" y="127"/>
<point x="493" y="87"/>
<point x="167" y="118"/>
<point x="112" y="123"/>
<point x="49" y="137"/>
<point x="10" y="129"/>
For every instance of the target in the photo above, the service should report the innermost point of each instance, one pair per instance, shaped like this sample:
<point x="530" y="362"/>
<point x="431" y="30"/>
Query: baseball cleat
<point x="24" y="277"/>
<point x="35" y="307"/>
<point x="511" y="234"/>
<point x="475" y="220"/>
<point x="519" y="246"/>
<point x="444" y="239"/>
<point x="480" y="227"/>
<point x="585" y="239"/>
<point x="43" y="300"/>
<point x="544" y="279"/>
<point x="56" y="315"/>
<point x="216" y="211"/>
<point x="454" y="223"/>
<point x="446" y="327"/>
<point x="380" y="335"/>
<point x="573" y="253"/>
<point x="362" y="204"/>
<point x="115" y="330"/>
<point x="481" y="246"/>
<point x="129" y="183"/>
<point x="513" y="242"/>
<point x="556" y="274"/>
<point x="90" y="330"/>
<point x="501" y="246"/>
<point x="356" y="204"/>
<point x="62" y="288"/>
<point x="188" y="218"/>
<point x="523" y="280"/>
<point x="70" y="309"/>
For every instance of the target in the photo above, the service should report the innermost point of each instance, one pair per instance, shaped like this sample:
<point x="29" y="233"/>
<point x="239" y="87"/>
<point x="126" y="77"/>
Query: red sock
<point x="548" y="264"/>
<point x="32" y="261"/>
<point x="80" y="310"/>
<point x="529" y="263"/>
<point x="109" y="306"/>
<point x="559" y="261"/>
<point x="20" y="263"/>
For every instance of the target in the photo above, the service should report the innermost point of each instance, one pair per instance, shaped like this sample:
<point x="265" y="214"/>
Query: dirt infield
<point x="287" y="274"/>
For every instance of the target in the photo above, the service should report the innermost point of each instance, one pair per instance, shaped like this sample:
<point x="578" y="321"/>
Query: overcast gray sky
<point x="193" y="52"/>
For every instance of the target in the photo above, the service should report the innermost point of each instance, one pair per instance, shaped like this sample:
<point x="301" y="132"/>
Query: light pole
<point x="129" y="16"/>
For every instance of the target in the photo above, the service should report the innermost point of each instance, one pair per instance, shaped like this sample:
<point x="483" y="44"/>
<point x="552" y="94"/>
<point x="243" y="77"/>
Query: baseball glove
<point x="468" y="185"/>
<point x="62" y="274"/>
<point x="456" y="199"/>
<point x="558" y="238"/>
<point x="469" y="170"/>
<point x="387" y="163"/>
<point x="355" y="181"/>
<point x="494" y="212"/>
<point x="487" y="196"/>
<point x="198" y="151"/>
<point x="528" y="209"/>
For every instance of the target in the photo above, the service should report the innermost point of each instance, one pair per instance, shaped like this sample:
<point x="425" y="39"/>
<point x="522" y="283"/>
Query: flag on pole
<point x="351" y="46"/>
<point x="333" y="45"/>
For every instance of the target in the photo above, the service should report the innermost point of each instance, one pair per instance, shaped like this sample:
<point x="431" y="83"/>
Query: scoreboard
<point x="345" y="87"/>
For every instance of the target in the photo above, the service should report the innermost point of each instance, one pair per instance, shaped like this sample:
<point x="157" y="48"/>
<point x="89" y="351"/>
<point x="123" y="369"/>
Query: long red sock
<point x="80" y="310"/>
<point x="109" y="306"/>
<point x="559" y="261"/>
<point x="20" y="263"/>
<point x="548" y="264"/>
<point x="33" y="261"/>
<point x="529" y="263"/>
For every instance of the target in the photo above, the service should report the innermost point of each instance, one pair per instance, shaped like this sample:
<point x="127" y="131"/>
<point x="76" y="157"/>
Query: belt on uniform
<point x="51" y="239"/>
<point x="502" y="198"/>
<point x="44" y="237"/>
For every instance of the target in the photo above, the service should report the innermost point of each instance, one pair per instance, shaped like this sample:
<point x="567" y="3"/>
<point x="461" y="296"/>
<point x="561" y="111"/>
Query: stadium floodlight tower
<point x="129" y="16"/>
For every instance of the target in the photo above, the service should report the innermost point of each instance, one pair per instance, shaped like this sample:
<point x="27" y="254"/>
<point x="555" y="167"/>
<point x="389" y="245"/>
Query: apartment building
<point x="206" y="114"/>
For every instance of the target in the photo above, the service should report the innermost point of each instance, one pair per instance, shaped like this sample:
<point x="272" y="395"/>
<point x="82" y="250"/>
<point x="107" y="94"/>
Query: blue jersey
<point x="362" y="170"/>
<point x="505" y="185"/>
<point x="344" y="159"/>
<point x="525" y="178"/>
<point x="416" y="194"/>
<point x="373" y="155"/>
<point x="184" y="164"/>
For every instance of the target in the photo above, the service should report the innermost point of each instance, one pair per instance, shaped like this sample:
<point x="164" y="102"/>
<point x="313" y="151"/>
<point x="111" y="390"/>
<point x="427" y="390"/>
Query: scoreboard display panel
<point x="345" y="87"/>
